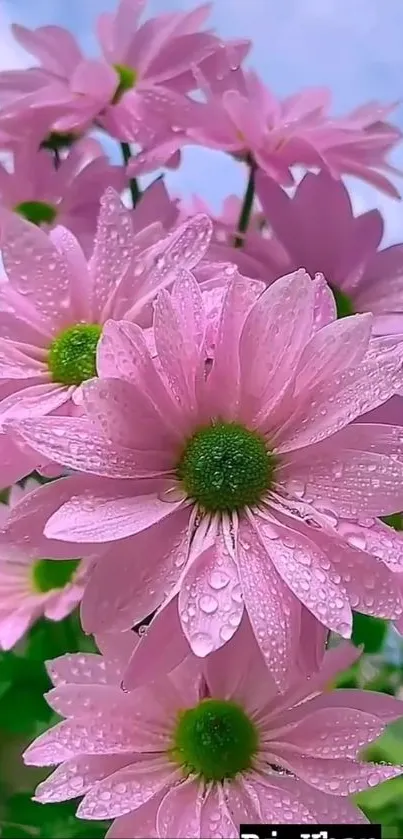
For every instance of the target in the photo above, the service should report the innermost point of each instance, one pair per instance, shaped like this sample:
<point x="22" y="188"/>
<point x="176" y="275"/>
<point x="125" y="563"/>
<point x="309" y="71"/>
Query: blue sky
<point x="353" y="46"/>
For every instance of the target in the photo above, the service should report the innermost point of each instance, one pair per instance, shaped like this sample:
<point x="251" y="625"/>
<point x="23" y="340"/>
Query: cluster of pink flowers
<point x="216" y="403"/>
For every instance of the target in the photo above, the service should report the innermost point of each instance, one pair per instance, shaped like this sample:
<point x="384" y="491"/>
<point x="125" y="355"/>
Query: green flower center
<point x="72" y="355"/>
<point x="226" y="467"/>
<point x="37" y="212"/>
<point x="55" y="141"/>
<point x="215" y="740"/>
<point x="127" y="80"/>
<point x="49" y="574"/>
<point x="344" y="305"/>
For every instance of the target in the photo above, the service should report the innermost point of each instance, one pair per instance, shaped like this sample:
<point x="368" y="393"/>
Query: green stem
<point x="246" y="208"/>
<point x="133" y="185"/>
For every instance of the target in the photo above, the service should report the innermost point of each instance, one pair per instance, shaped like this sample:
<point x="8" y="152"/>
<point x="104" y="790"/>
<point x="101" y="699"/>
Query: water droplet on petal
<point x="218" y="580"/>
<point x="208" y="604"/>
<point x="202" y="644"/>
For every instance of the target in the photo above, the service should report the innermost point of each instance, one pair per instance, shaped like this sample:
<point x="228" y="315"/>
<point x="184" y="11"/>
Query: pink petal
<point x="95" y="80"/>
<point x="179" y="333"/>
<point x="44" y="280"/>
<point x="160" y="650"/>
<point x="272" y="609"/>
<point x="216" y="819"/>
<point x="80" y="284"/>
<point x="269" y="354"/>
<point x="105" y="517"/>
<point x="127" y="789"/>
<point x="117" y="647"/>
<point x="242" y="801"/>
<point x="168" y="341"/>
<point x="225" y="679"/>
<point x="325" y="304"/>
<point x="76" y="776"/>
<point x="181" y="251"/>
<point x="332" y="476"/>
<point x="124" y="24"/>
<point x="71" y="738"/>
<point x="37" y="400"/>
<point x="333" y="732"/>
<point x="377" y="539"/>
<point x="27" y="519"/>
<point x="54" y="47"/>
<point x="179" y="813"/>
<point x="210" y="599"/>
<point x="123" y="589"/>
<point x="380" y="706"/>
<point x="142" y="822"/>
<point x="123" y="354"/>
<point x="339" y="345"/>
<point x="83" y="669"/>
<point x="112" y="403"/>
<point x="351" y="392"/>
<point x="225" y="373"/>
<point x="112" y="250"/>
<point x="302" y="804"/>
<point x="17" y="364"/>
<point x="74" y="443"/>
<point x="279" y="798"/>
<point x="339" y="776"/>
<point x="303" y="567"/>
<point x="15" y="462"/>
<point x="81" y="701"/>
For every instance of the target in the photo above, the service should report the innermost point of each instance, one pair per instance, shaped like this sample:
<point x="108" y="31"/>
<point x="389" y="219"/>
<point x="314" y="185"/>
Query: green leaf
<point x="370" y="632"/>
<point x="395" y="521"/>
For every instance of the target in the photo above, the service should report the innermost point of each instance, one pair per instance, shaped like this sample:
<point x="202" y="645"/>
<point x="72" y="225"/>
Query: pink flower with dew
<point x="260" y="256"/>
<point x="199" y="752"/>
<point x="243" y="479"/>
<point x="243" y="117"/>
<point x="164" y="646"/>
<point x="317" y="229"/>
<point x="68" y="195"/>
<point x="32" y="588"/>
<point x="140" y="63"/>
<point x="54" y="305"/>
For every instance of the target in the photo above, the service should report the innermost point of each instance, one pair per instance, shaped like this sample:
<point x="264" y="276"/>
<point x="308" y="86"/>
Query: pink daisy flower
<point x="243" y="117"/>
<point x="317" y="230"/>
<point x="32" y="588"/>
<point x="68" y="195"/>
<point x="141" y="63"/>
<point x="54" y="305"/>
<point x="199" y="751"/>
<point x="243" y="476"/>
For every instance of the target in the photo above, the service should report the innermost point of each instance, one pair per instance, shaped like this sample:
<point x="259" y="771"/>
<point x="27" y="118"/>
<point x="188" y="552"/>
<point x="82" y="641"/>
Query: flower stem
<point x="246" y="209"/>
<point x="133" y="185"/>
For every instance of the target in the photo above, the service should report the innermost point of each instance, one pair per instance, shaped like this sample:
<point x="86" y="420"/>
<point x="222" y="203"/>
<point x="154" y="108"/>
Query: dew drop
<point x="218" y="580"/>
<point x="202" y="644"/>
<point x="208" y="604"/>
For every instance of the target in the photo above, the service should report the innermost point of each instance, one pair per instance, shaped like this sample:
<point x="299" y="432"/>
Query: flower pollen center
<point x="344" y="305"/>
<point x="215" y="740"/>
<point x="225" y="467"/>
<point x="127" y="80"/>
<point x="72" y="354"/>
<point x="50" y="574"/>
<point x="37" y="212"/>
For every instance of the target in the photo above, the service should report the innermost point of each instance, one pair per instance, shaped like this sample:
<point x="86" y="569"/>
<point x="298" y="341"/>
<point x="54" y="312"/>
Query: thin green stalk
<point x="246" y="209"/>
<point x="133" y="185"/>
